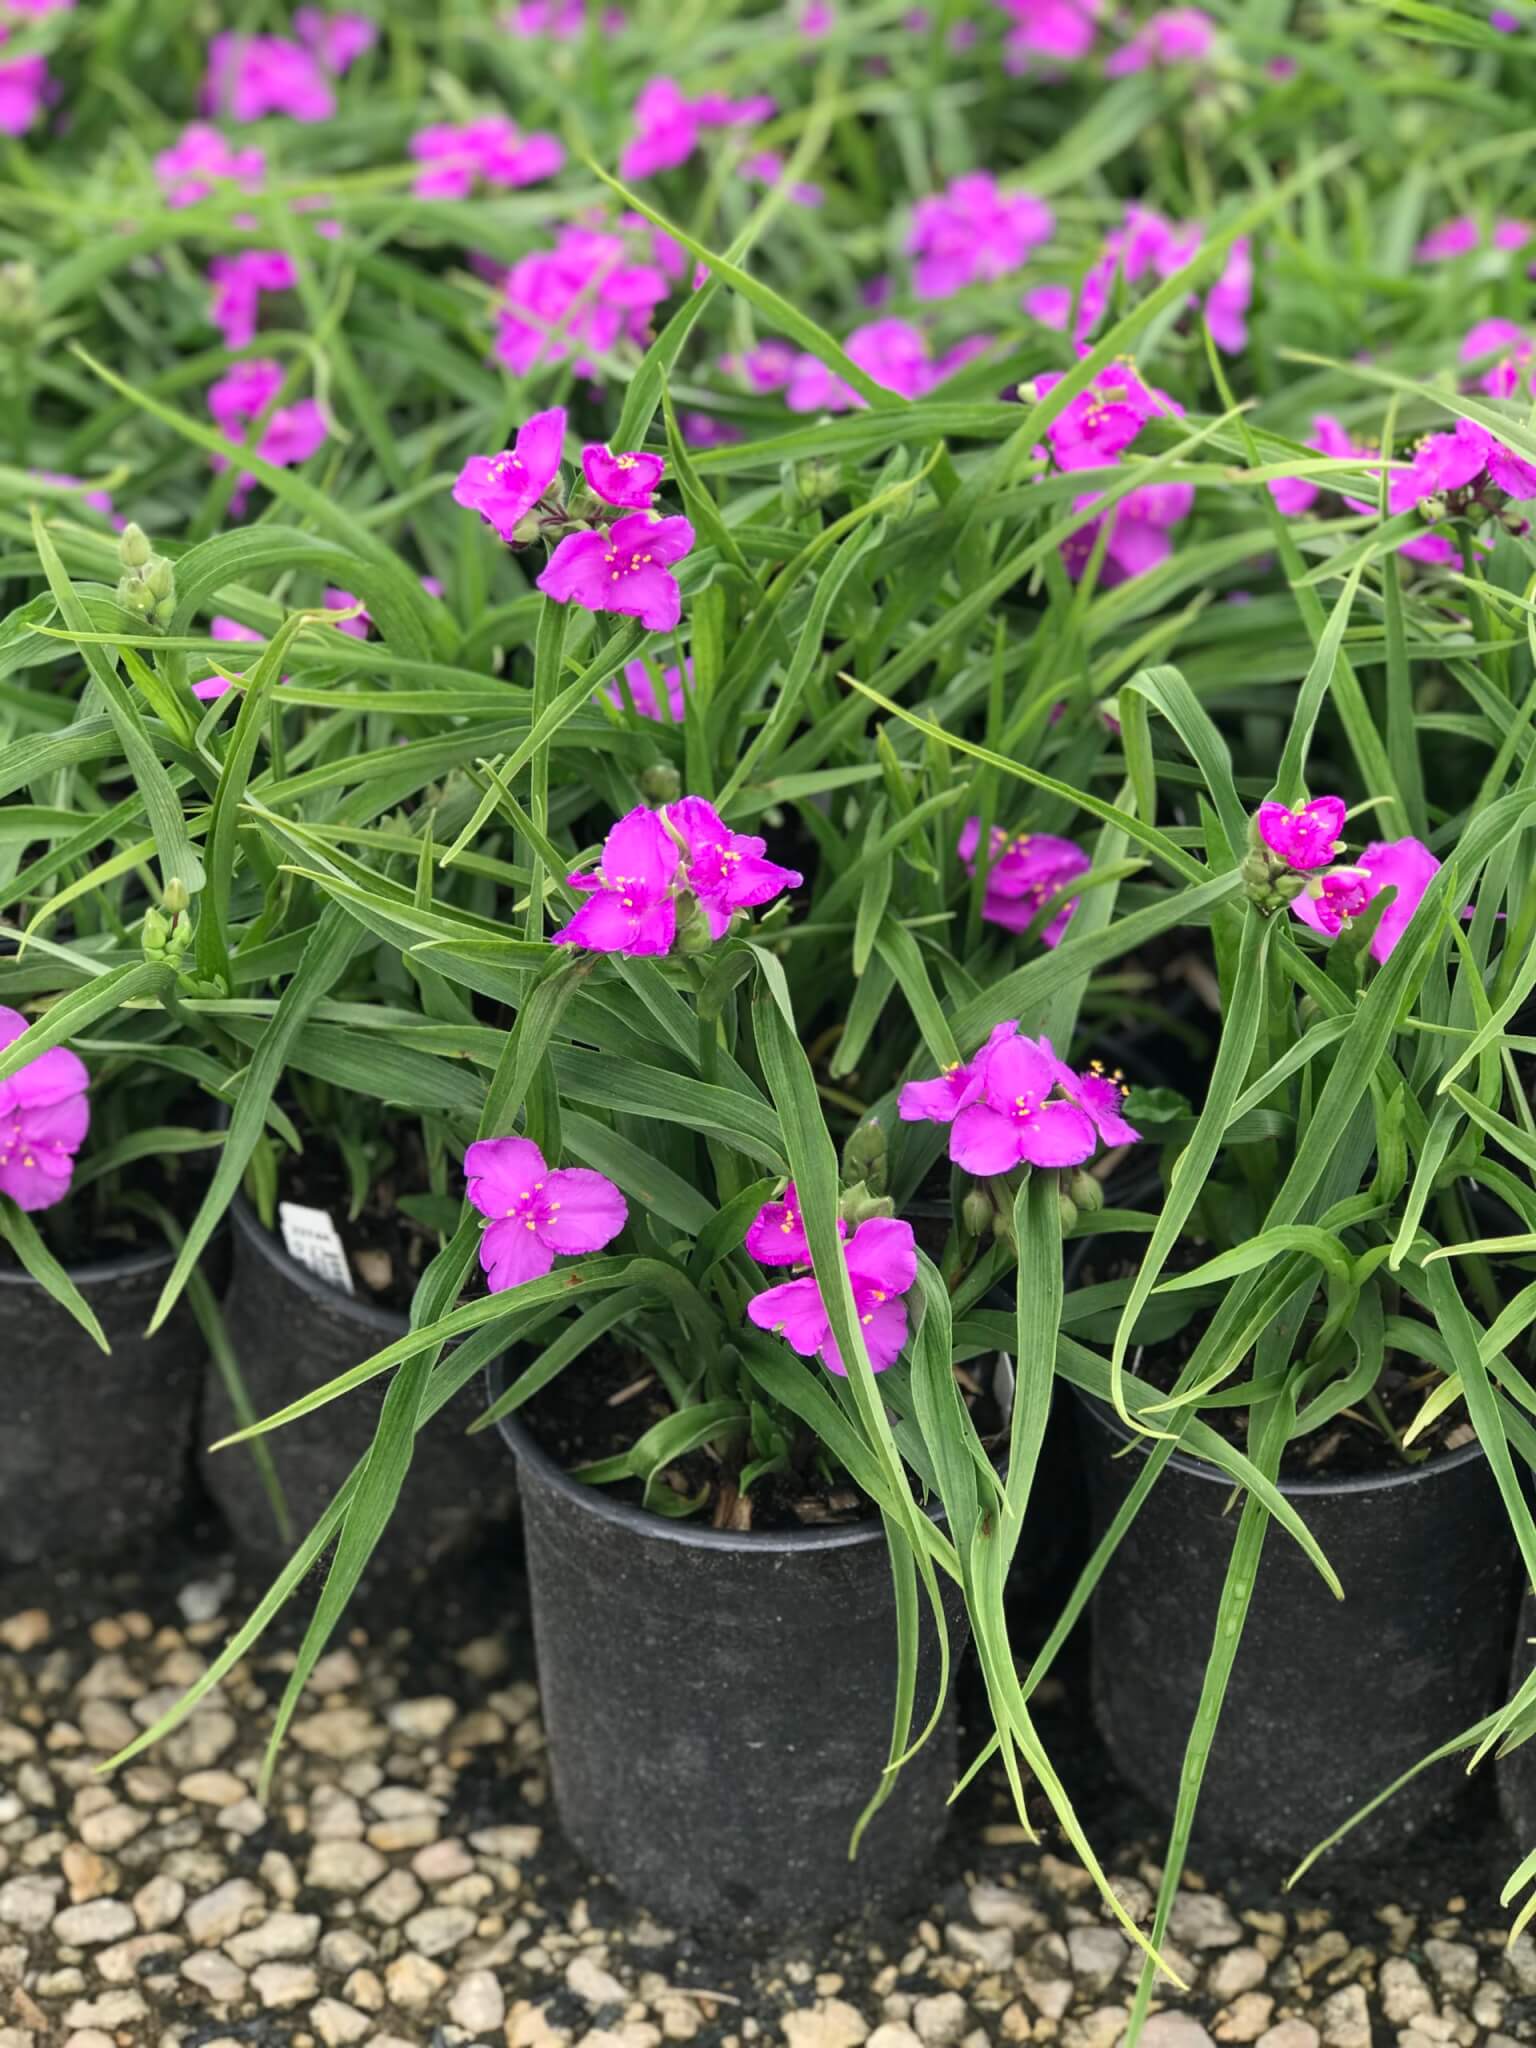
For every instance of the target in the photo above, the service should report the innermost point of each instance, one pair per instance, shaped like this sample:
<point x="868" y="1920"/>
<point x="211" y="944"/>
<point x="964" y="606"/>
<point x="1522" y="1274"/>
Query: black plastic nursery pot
<point x="1329" y="1700"/>
<point x="96" y="1452"/>
<point x="292" y="1332"/>
<point x="719" y="1706"/>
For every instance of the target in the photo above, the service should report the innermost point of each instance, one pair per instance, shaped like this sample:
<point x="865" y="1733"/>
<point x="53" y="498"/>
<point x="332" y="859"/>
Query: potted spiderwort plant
<point x="728" y="1407"/>
<point x="1291" y="1300"/>
<point x="723" y="1360"/>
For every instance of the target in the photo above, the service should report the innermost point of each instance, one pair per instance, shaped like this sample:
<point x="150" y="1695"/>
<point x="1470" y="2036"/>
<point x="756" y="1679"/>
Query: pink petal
<point x="795" y="1312"/>
<point x="605" y="923"/>
<point x="1018" y="1068"/>
<point x="575" y="571"/>
<point x="622" y="479"/>
<point x="776" y="1234"/>
<point x="511" y="1252"/>
<point x="1056" y="1134"/>
<point x="639" y="853"/>
<point x="540" y="443"/>
<point x="582" y="1210"/>
<point x="52" y="1077"/>
<point x="500" y="1171"/>
<point x="882" y="1254"/>
<point x="937" y="1101"/>
<point x="982" y="1141"/>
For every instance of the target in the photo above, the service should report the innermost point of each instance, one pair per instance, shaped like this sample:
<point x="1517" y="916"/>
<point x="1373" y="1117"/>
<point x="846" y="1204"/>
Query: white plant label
<point x="312" y="1238"/>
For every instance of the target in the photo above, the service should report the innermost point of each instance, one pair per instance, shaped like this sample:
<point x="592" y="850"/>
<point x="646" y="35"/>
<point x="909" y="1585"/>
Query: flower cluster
<point x="201" y="160"/>
<point x="1060" y="31"/>
<point x="1174" y="35"/>
<point x="250" y="77"/>
<point x="491" y="151"/>
<point x="669" y="125"/>
<point x="291" y="435"/>
<point x="1147" y="247"/>
<point x="577" y="301"/>
<point x="881" y="1260"/>
<point x="532" y="1212"/>
<point x="971" y="233"/>
<point x="1025" y="871"/>
<point x="676" y="876"/>
<point x="1463" y="236"/>
<point x="894" y="353"/>
<point x="44" y="1116"/>
<point x="1014" y="1103"/>
<point x="618" y="564"/>
<point x="238" y="282"/>
<point x="1296" y="861"/>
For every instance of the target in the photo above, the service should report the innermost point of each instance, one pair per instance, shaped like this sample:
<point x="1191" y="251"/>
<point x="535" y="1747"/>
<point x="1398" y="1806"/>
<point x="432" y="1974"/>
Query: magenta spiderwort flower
<point x="25" y="90"/>
<point x="703" y="430"/>
<point x="1304" y="839"/>
<point x="776" y="1235"/>
<point x="727" y="871"/>
<point x="1095" y="428"/>
<point x="491" y="150"/>
<point x="1102" y="1096"/>
<point x="505" y="488"/>
<point x="628" y="480"/>
<point x="238" y="282"/>
<point x="881" y="1258"/>
<point x="647" y="698"/>
<point x="563" y="21"/>
<point x="941" y="1100"/>
<point x="1228" y="300"/>
<point x="630" y="906"/>
<point x="625" y="570"/>
<point x="1139" y="524"/>
<point x="342" y="601"/>
<point x="766" y="167"/>
<point x="1019" y="1117"/>
<point x="337" y="40"/>
<point x="586" y="294"/>
<point x="1026" y="870"/>
<point x="201" y="160"/>
<point x="1406" y="865"/>
<point x="893" y="352"/>
<point x="250" y="77"/>
<point x="222" y="629"/>
<point x="97" y="501"/>
<point x="767" y="366"/>
<point x="1054" y="29"/>
<point x="1509" y="375"/>
<point x="532" y="1213"/>
<point x="1463" y="234"/>
<point x="292" y="433"/>
<point x="666" y="130"/>
<point x="972" y="233"/>
<point x="1296" y="494"/>
<point x="44" y="1116"/>
<point x="1176" y="35"/>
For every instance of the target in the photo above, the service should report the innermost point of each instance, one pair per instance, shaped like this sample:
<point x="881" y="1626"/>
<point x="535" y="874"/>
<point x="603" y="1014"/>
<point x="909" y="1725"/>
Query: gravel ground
<point x="408" y="1884"/>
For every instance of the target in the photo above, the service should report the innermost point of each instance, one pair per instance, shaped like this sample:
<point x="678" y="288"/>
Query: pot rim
<point x="658" y="1528"/>
<point x="269" y="1247"/>
<point x="1355" y="1484"/>
<point x="95" y="1272"/>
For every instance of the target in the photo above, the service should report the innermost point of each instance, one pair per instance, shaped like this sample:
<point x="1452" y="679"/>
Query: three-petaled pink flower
<point x="1025" y="870"/>
<point x="892" y="353"/>
<point x="1406" y="865"/>
<point x="1061" y="30"/>
<point x="1174" y="35"/>
<point x="629" y="480"/>
<point x="533" y="1213"/>
<point x="44" y="1116"/>
<point x="1015" y="1103"/>
<point x="668" y="125"/>
<point x="491" y="150"/>
<point x="504" y="488"/>
<point x="631" y="904"/>
<point x="625" y="570"/>
<point x="640" y="685"/>
<point x="200" y="160"/>
<point x="727" y="871"/>
<point x="881" y="1258"/>
<point x="578" y="299"/>
<point x="337" y="40"/>
<point x="238" y="282"/>
<point x="25" y="89"/>
<point x="972" y="233"/>
<point x="1304" y="839"/>
<point x="1022" y="1115"/>
<point x="648" y="857"/>
<point x="252" y="76"/>
<point x="292" y="433"/>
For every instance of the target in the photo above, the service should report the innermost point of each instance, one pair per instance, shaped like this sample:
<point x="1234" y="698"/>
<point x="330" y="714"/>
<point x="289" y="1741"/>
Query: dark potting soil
<point x="605" y="1402"/>
<point x="1353" y="1445"/>
<point x="386" y="1248"/>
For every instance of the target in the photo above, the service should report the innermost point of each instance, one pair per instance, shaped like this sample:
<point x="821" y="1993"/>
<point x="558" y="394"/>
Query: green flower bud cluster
<point x="21" y="307"/>
<point x="147" y="587"/>
<point x="859" y="1204"/>
<point x="167" y="931"/>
